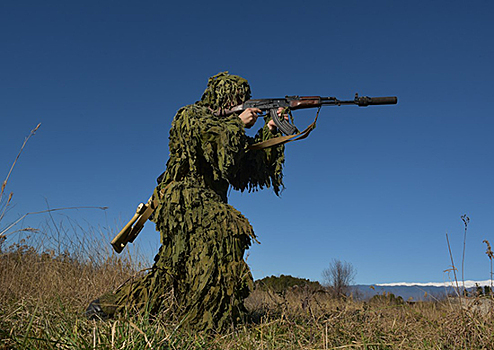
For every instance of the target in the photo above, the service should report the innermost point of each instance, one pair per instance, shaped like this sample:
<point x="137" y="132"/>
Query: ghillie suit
<point x="199" y="275"/>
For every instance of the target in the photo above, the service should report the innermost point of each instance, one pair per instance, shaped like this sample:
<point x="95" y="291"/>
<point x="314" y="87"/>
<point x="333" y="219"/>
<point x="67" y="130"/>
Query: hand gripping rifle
<point x="267" y="105"/>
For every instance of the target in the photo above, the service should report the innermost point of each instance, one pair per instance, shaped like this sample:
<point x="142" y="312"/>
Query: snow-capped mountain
<point x="416" y="291"/>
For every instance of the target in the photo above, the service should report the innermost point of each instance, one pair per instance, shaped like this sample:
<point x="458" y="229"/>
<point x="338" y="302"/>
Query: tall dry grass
<point x="40" y="289"/>
<point x="46" y="277"/>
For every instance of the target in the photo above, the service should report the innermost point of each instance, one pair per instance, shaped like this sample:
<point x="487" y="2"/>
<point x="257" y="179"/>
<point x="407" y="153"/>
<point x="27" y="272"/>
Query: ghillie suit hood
<point x="225" y="91"/>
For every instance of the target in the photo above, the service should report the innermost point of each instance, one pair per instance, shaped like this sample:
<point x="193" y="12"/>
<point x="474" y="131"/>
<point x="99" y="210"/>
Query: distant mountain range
<point x="416" y="291"/>
<point x="408" y="291"/>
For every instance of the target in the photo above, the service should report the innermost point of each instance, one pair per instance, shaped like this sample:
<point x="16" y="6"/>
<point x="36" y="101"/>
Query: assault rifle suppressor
<point x="271" y="105"/>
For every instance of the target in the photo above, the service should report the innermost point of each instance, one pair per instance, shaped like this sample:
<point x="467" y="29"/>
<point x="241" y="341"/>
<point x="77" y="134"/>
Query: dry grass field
<point x="43" y="295"/>
<point x="48" y="276"/>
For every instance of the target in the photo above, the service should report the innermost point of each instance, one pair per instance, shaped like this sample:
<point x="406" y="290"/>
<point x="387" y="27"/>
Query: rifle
<point x="271" y="105"/>
<point x="130" y="231"/>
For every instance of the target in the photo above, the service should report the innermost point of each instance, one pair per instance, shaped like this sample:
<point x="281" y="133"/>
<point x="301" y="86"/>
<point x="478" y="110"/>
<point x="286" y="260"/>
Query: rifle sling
<point x="281" y="140"/>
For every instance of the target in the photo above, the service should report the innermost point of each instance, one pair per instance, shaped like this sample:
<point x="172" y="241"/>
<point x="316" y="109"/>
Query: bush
<point x="387" y="298"/>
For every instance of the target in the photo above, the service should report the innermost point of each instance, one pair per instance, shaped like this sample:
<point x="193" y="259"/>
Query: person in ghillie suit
<point x="199" y="275"/>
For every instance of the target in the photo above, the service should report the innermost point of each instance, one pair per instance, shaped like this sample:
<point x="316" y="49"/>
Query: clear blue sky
<point x="378" y="186"/>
